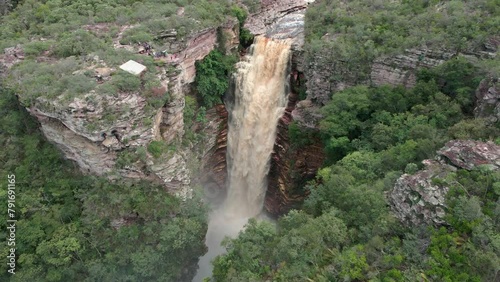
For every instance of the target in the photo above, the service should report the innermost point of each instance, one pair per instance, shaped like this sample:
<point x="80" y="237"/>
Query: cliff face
<point x="97" y="130"/>
<point x="401" y="69"/>
<point x="214" y="165"/>
<point x="194" y="49"/>
<point x="290" y="167"/>
<point x="326" y="75"/>
<point x="488" y="100"/>
<point x="271" y="12"/>
<point x="280" y="19"/>
<point x="416" y="199"/>
<point x="94" y="129"/>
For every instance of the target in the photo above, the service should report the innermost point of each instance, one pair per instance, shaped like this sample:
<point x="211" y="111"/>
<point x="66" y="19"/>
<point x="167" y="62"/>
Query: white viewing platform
<point x="133" y="67"/>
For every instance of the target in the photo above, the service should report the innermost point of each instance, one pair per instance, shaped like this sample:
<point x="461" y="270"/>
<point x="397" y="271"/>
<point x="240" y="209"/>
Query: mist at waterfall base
<point x="259" y="99"/>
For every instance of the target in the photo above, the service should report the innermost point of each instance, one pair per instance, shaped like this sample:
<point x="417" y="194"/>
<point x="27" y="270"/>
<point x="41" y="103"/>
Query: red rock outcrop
<point x="468" y="154"/>
<point x="290" y="167"/>
<point x="195" y="48"/>
<point x="214" y="172"/>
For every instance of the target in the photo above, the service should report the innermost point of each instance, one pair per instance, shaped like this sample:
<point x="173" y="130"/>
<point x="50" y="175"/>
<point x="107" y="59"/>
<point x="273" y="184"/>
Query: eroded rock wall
<point x="327" y="75"/>
<point x="94" y="129"/>
<point x="417" y="198"/>
<point x="196" y="48"/>
<point x="488" y="100"/>
<point x="214" y="166"/>
<point x="401" y="69"/>
<point x="290" y="167"/>
<point x="272" y="11"/>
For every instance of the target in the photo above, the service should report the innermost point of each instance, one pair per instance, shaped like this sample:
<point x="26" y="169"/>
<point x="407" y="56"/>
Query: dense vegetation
<point x="344" y="231"/>
<point x="64" y="41"/>
<point x="212" y="77"/>
<point x="349" y="35"/>
<point x="57" y="19"/>
<point x="213" y="72"/>
<point x="375" y="119"/>
<point x="80" y="228"/>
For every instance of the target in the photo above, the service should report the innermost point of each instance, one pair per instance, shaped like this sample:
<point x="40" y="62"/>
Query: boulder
<point x="488" y="100"/>
<point x="468" y="154"/>
<point x="418" y="199"/>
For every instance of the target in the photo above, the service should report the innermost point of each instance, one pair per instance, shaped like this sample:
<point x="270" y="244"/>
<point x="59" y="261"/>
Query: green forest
<point x="76" y="227"/>
<point x="67" y="223"/>
<point x="345" y="232"/>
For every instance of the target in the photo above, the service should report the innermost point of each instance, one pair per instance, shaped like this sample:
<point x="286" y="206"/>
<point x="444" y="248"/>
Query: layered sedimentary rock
<point x="417" y="199"/>
<point x="93" y="129"/>
<point x="401" y="69"/>
<point x="214" y="172"/>
<point x="468" y="154"/>
<point x="327" y="75"/>
<point x="488" y="100"/>
<point x="272" y="12"/>
<point x="190" y="51"/>
<point x="85" y="153"/>
<point x="290" y="167"/>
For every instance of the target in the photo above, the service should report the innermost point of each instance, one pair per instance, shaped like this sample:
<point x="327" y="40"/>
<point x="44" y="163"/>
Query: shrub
<point x="300" y="136"/>
<point x="201" y="115"/>
<point x="212" y="77"/>
<point x="35" y="48"/>
<point x="246" y="38"/>
<point x="73" y="85"/>
<point x="126" y="82"/>
<point x="252" y="5"/>
<point x="157" y="148"/>
<point x="79" y="42"/>
<point x="126" y="158"/>
<point x="189" y="112"/>
<point x="107" y="89"/>
<point x="239" y="13"/>
<point x="159" y="101"/>
<point x="135" y="35"/>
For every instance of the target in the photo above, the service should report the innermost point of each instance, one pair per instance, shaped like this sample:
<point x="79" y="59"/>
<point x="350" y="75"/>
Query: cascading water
<point x="260" y="88"/>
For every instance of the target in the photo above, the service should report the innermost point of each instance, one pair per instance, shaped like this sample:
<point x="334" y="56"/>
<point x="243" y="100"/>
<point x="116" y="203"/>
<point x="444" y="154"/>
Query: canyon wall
<point x="290" y="167"/>
<point x="280" y="20"/>
<point x="94" y="130"/>
<point x="325" y="75"/>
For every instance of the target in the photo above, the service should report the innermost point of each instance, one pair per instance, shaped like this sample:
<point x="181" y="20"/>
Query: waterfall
<point x="259" y="100"/>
